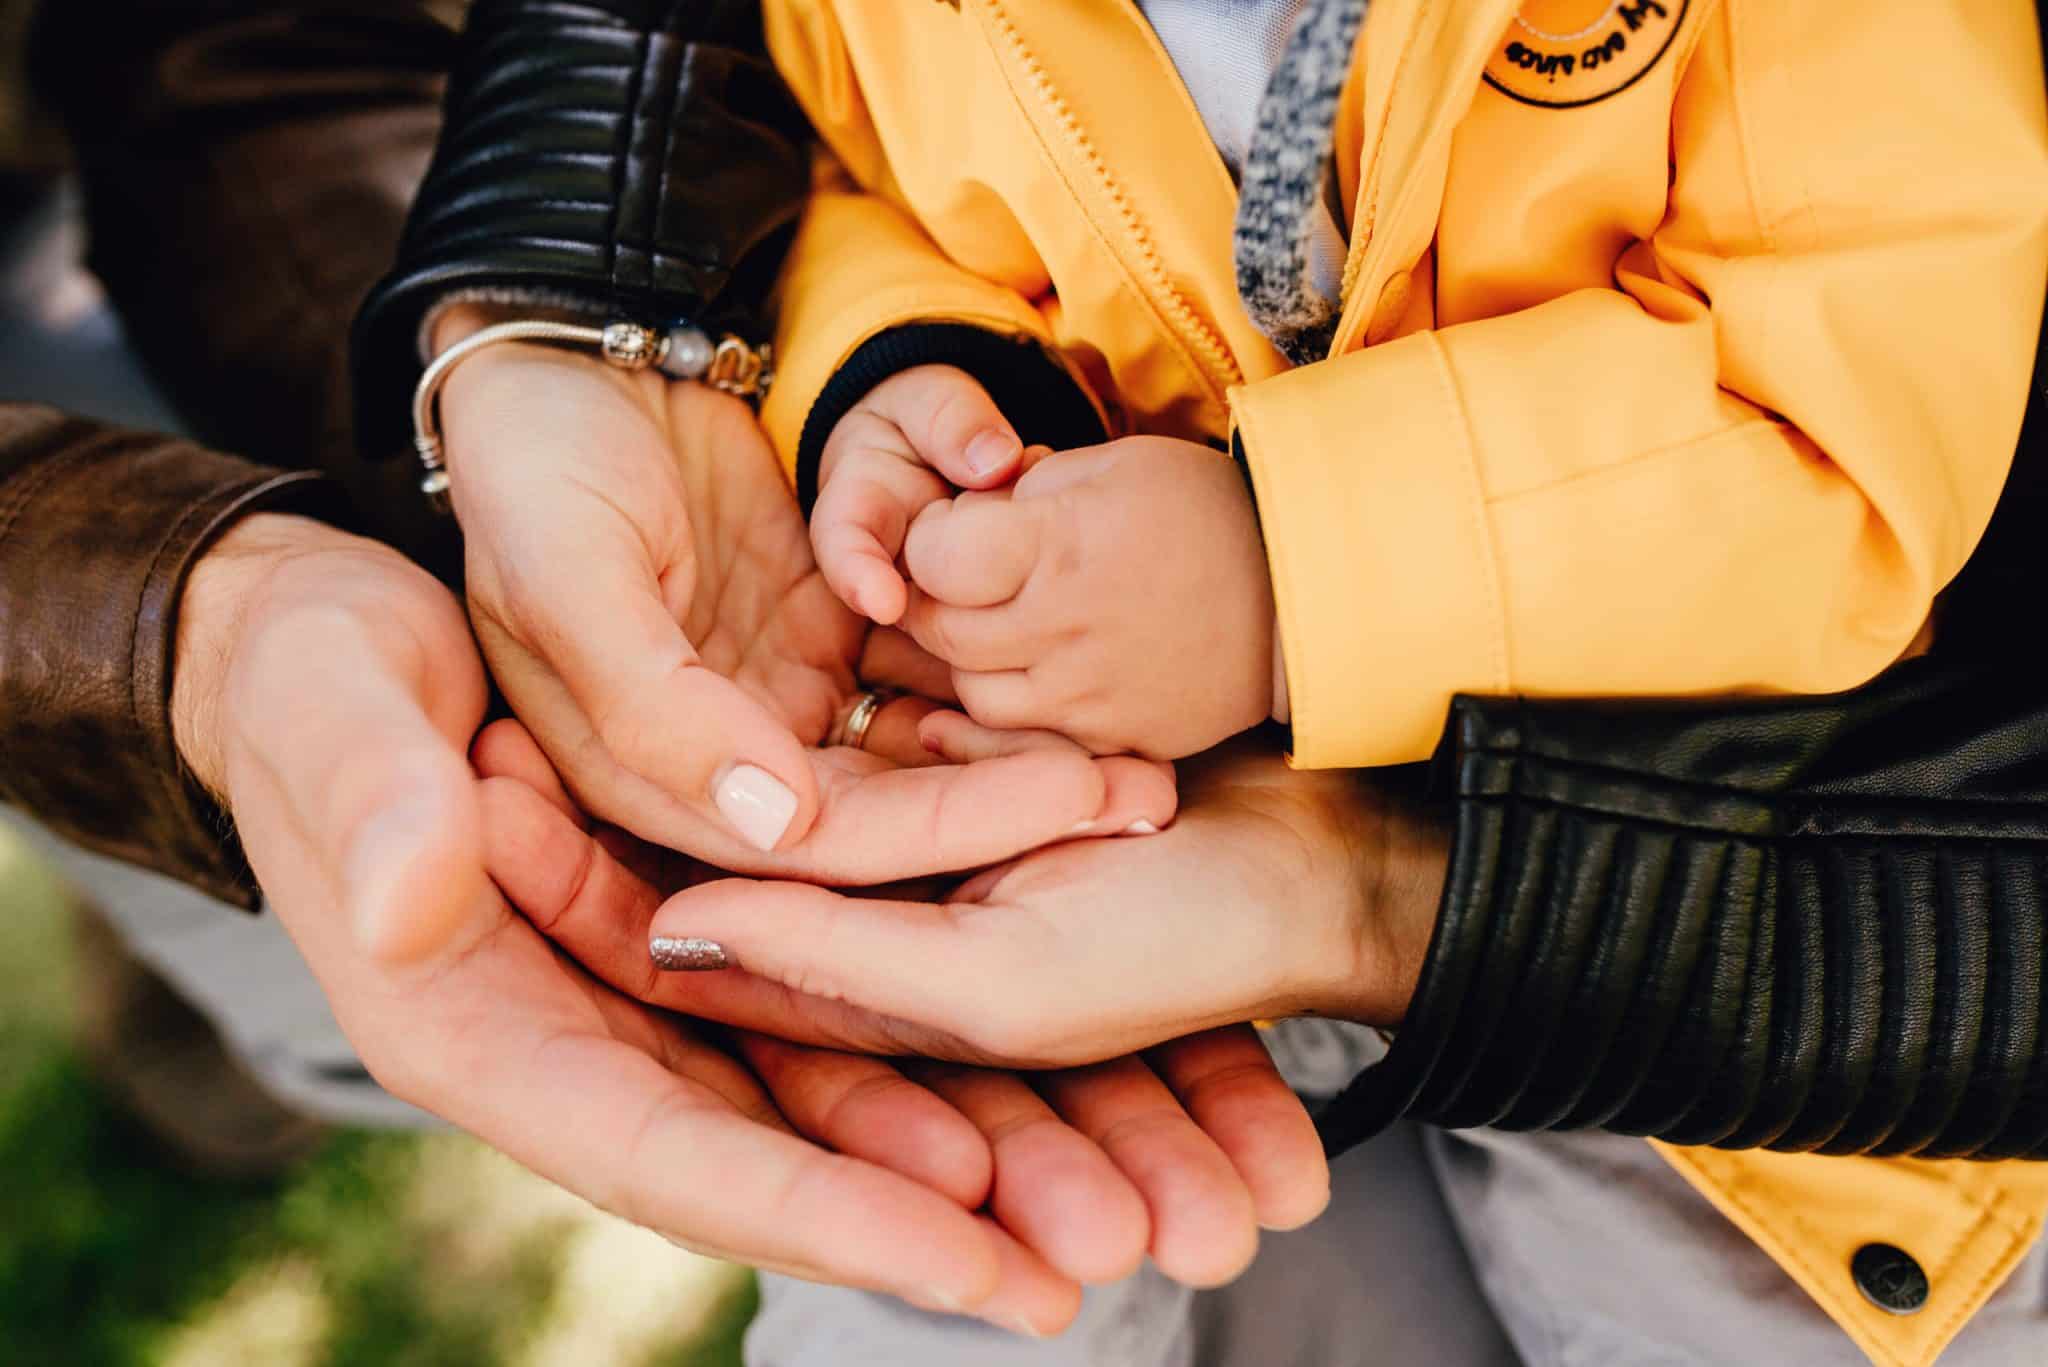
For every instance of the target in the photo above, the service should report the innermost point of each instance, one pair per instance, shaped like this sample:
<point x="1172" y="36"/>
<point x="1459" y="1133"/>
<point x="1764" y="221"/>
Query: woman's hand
<point x="325" y="690"/>
<point x="642" y="585"/>
<point x="1209" y="1142"/>
<point x="1275" y="893"/>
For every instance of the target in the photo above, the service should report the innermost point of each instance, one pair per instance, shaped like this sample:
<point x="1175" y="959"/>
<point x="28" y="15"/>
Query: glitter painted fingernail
<point x="687" y="954"/>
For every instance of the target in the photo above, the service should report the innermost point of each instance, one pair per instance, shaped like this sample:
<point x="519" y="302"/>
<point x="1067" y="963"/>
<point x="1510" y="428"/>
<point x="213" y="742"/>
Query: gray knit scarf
<point x="1284" y="179"/>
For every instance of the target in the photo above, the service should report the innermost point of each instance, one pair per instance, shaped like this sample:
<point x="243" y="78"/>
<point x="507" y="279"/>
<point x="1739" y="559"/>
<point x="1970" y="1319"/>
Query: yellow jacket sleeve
<point x="1749" y="466"/>
<point x="859" y="266"/>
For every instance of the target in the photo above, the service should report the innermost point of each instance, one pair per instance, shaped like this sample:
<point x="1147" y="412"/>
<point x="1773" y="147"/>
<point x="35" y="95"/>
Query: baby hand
<point x="1117" y="594"/>
<point x="916" y="436"/>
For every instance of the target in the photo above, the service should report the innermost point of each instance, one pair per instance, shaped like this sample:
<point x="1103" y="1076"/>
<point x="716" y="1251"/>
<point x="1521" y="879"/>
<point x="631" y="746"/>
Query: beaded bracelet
<point x="683" y="353"/>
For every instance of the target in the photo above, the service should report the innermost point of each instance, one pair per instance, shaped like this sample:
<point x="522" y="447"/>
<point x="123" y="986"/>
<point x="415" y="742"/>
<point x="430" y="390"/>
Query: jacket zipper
<point x="1216" y="366"/>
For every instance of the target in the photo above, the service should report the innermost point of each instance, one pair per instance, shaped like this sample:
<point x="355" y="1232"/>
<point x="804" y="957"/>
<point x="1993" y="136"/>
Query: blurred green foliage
<point x="110" y="1257"/>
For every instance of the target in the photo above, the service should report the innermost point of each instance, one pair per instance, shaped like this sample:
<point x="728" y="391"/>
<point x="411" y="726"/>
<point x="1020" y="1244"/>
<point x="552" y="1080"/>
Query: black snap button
<point x="1889" y="1278"/>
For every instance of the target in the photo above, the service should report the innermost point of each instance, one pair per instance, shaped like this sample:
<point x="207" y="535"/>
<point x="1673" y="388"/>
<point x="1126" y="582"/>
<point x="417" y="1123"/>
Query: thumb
<point x="411" y="867"/>
<point x="379" y="792"/>
<point x="951" y="424"/>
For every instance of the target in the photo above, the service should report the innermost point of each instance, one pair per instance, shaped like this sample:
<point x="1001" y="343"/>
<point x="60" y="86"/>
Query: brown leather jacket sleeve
<point x="247" y="168"/>
<point x="98" y="529"/>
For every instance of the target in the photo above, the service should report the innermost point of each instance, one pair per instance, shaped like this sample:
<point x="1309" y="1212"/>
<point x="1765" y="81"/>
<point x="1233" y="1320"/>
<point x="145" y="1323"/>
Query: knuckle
<point x="929" y="547"/>
<point x="637" y="1202"/>
<point x="1130" y="1132"/>
<point x="853" y="443"/>
<point x="957" y="409"/>
<point x="935" y="633"/>
<point x="1252" y="1082"/>
<point x="878" y="1089"/>
<point x="836" y="546"/>
<point x="813" y="980"/>
<point x="520" y="602"/>
<point x="620" y="727"/>
<point x="981" y="701"/>
<point x="1003" y="713"/>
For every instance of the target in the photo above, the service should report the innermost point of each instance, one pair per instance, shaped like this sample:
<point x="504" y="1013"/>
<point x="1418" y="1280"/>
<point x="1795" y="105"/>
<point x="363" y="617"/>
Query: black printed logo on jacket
<point x="1567" y="53"/>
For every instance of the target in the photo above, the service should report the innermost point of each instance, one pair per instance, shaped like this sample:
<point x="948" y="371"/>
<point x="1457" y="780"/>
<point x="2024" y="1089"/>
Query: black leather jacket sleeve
<point x="1805" y="924"/>
<point x="634" y="159"/>
<point x="1815" y="924"/>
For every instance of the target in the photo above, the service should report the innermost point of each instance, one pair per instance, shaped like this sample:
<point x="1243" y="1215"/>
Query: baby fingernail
<point x="687" y="954"/>
<point x="991" y="451"/>
<point x="758" y="804"/>
<point x="1141" y="828"/>
<point x="1017" y="1324"/>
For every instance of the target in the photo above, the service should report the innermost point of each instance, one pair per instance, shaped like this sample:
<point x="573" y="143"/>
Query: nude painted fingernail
<point x="687" y="954"/>
<point x="991" y="451"/>
<point x="758" y="804"/>
<point x="1141" y="827"/>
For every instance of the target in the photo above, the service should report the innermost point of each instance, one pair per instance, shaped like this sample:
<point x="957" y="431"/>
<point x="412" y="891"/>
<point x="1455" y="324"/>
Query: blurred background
<point x="156" y="1205"/>
<point x="371" y="1250"/>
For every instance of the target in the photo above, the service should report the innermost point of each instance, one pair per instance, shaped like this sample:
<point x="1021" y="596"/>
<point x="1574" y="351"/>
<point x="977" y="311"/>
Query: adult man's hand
<point x="326" y="689"/>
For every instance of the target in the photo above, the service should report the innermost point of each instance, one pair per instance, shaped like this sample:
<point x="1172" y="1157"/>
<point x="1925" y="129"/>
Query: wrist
<point x="1407" y="893"/>
<point x="458" y="321"/>
<point x="1398" y="855"/>
<point x="217" y="601"/>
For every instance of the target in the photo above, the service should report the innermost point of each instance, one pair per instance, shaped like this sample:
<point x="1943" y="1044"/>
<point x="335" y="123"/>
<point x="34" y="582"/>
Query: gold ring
<point x="853" y="731"/>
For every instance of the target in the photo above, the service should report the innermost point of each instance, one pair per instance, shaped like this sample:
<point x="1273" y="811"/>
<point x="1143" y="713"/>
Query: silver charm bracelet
<point x="683" y="353"/>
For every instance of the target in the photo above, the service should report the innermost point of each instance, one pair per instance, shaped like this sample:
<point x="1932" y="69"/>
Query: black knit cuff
<point x="1034" y="391"/>
<point x="1813" y="926"/>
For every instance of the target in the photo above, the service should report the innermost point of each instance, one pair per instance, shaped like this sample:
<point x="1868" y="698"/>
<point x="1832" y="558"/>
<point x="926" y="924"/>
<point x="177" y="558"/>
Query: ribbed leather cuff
<point x="99" y="529"/>
<point x="1034" y="391"/>
<point x="1813" y="925"/>
<point x="640" y="157"/>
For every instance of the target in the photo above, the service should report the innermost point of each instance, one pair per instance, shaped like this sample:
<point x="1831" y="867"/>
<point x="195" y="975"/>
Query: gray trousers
<point x="1440" y="1251"/>
<point x="1381" y="1277"/>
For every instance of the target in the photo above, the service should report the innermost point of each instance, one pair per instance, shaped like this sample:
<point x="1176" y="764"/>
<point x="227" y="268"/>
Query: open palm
<point x="642" y="584"/>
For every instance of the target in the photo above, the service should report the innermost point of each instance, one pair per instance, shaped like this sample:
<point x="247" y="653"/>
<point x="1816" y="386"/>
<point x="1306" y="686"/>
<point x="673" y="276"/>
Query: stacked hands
<point x="490" y="913"/>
